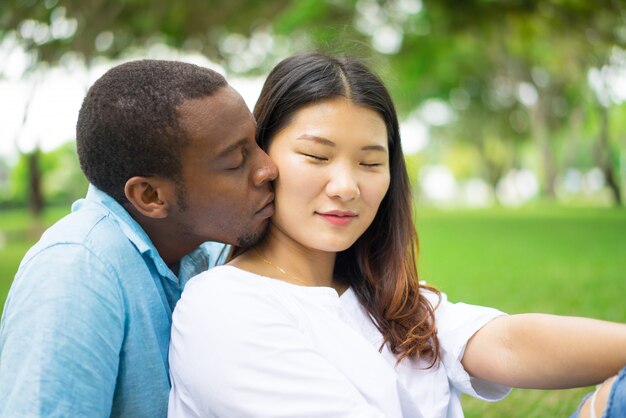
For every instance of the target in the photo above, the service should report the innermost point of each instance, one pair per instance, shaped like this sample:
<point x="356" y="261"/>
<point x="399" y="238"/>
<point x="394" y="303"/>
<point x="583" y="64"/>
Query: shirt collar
<point x="130" y="228"/>
<point x="204" y="257"/>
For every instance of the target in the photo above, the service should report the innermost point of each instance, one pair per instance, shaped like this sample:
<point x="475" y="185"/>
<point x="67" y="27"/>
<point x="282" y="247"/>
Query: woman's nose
<point x="343" y="184"/>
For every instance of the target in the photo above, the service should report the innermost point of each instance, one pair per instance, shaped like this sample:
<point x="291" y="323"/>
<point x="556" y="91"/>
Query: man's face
<point x="225" y="177"/>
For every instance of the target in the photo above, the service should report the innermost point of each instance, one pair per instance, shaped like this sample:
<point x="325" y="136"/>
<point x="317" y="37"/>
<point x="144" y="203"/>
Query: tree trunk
<point x="603" y="155"/>
<point x="540" y="133"/>
<point x="575" y="137"/>
<point x="35" y="194"/>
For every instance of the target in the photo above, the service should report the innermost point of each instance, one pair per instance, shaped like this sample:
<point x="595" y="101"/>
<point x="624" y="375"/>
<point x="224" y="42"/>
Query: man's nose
<point x="266" y="171"/>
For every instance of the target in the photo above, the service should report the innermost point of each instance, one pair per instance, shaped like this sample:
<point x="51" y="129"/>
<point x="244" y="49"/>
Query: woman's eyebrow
<point x="328" y="142"/>
<point x="317" y="139"/>
<point x="374" y="148"/>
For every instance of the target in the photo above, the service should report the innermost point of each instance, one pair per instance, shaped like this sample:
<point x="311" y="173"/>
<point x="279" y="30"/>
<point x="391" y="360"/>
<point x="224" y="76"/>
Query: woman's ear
<point x="150" y="196"/>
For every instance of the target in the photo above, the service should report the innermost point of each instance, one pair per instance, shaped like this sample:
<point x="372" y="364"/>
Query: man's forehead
<point x="219" y="123"/>
<point x="223" y="103"/>
<point x="197" y="105"/>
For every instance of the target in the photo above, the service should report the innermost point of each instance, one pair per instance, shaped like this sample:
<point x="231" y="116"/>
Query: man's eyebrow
<point x="232" y="147"/>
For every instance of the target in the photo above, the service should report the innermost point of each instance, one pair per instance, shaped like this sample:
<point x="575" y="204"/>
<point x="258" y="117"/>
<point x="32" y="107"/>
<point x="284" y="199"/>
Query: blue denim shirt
<point x="86" y="327"/>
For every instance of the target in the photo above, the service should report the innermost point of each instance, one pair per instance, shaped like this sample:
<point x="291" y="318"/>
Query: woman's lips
<point x="338" y="217"/>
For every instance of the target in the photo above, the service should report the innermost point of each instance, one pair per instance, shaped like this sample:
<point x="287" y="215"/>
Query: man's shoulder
<point x="92" y="229"/>
<point x="82" y="255"/>
<point x="87" y="226"/>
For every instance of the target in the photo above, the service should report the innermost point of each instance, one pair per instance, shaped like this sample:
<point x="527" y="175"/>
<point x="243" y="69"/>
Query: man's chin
<point x="252" y="237"/>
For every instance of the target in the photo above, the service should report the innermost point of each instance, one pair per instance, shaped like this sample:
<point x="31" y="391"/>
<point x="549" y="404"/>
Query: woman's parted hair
<point x="381" y="265"/>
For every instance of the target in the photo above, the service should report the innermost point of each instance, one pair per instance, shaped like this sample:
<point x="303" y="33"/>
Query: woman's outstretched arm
<point x="546" y="351"/>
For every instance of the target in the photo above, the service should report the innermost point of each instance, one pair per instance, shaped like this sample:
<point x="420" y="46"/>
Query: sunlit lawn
<point x="562" y="261"/>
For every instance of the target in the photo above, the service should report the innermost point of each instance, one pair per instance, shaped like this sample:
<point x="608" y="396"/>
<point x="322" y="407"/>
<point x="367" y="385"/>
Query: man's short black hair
<point x="128" y="124"/>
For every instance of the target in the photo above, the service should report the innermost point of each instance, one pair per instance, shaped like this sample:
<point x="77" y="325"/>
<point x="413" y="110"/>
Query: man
<point x="169" y="149"/>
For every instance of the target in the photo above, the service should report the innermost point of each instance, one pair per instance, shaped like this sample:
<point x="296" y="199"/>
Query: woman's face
<point x="333" y="164"/>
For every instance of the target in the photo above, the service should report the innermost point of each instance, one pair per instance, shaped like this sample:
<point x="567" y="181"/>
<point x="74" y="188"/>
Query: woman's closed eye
<point x="315" y="158"/>
<point x="371" y="165"/>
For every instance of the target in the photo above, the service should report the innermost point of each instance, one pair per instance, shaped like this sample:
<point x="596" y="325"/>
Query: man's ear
<point x="150" y="196"/>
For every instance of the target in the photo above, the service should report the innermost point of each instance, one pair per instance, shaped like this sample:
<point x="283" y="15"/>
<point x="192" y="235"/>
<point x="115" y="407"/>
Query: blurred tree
<point x="34" y="199"/>
<point x="35" y="195"/>
<point x="61" y="180"/>
<point x="513" y="69"/>
<point x="4" y="181"/>
<point x="55" y="29"/>
<point x="510" y="69"/>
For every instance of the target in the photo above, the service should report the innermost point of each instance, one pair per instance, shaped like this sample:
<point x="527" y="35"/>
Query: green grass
<point x="561" y="261"/>
<point x="556" y="260"/>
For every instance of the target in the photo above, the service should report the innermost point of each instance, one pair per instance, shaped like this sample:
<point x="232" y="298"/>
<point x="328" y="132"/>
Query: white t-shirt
<point x="245" y="345"/>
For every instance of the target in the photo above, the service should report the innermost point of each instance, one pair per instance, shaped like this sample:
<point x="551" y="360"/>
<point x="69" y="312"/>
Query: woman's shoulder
<point x="229" y="291"/>
<point x="230" y="305"/>
<point x="220" y="289"/>
<point x="223" y="278"/>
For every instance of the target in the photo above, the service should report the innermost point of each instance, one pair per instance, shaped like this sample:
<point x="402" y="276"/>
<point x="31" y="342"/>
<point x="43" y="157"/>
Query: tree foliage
<point x="514" y="72"/>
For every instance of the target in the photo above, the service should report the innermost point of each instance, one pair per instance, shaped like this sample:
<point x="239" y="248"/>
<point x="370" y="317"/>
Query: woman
<point x="326" y="317"/>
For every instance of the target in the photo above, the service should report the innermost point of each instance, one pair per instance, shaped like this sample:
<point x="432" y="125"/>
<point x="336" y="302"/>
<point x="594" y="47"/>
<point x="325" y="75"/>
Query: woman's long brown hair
<point x="381" y="265"/>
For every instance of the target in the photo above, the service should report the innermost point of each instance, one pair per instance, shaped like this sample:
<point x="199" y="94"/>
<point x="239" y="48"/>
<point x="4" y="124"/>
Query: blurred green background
<point x="513" y="122"/>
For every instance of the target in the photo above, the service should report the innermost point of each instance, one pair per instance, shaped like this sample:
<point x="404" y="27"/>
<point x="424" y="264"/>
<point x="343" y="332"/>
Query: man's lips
<point x="267" y="209"/>
<point x="338" y="217"/>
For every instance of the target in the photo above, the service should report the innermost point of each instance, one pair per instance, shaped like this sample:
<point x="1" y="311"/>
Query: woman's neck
<point x="280" y="257"/>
